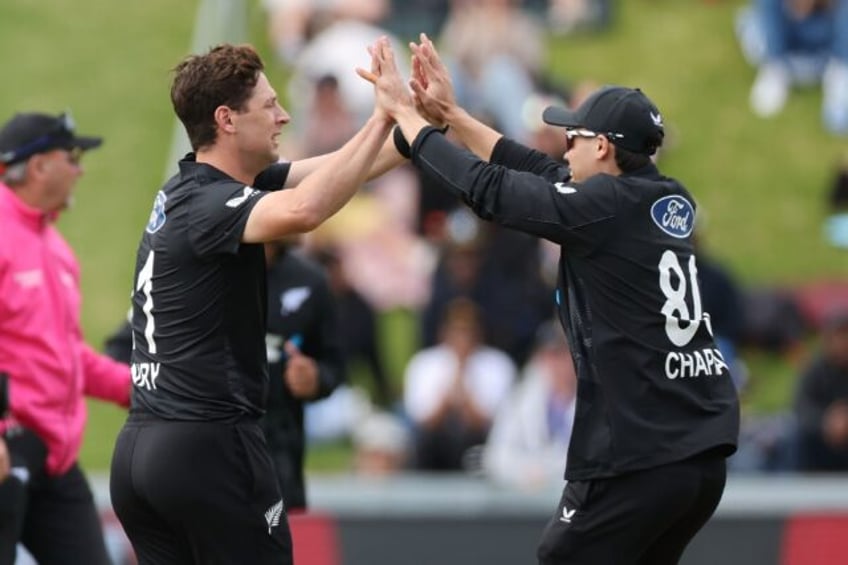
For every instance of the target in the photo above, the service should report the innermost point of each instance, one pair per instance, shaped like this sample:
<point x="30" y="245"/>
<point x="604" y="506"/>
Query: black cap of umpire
<point x="625" y="116"/>
<point x="24" y="135"/>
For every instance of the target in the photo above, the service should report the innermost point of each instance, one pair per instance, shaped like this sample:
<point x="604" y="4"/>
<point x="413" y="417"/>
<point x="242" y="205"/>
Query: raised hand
<point x="392" y="95"/>
<point x="431" y="84"/>
<point x="301" y="374"/>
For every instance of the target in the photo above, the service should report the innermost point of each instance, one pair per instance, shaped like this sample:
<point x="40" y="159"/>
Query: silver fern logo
<point x="272" y="515"/>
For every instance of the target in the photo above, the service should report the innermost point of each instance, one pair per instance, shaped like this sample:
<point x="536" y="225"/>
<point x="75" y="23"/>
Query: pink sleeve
<point x="105" y="378"/>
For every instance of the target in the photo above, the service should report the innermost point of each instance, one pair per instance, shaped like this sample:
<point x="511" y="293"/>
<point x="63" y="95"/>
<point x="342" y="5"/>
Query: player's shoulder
<point x="595" y="184"/>
<point x="218" y="196"/>
<point x="597" y="189"/>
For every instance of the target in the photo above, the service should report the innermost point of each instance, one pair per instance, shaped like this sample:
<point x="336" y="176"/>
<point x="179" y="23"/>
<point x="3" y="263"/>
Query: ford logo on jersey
<point x="157" y="215"/>
<point x="674" y="215"/>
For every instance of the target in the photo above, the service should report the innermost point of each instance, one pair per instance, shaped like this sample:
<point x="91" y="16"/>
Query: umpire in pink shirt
<point x="45" y="501"/>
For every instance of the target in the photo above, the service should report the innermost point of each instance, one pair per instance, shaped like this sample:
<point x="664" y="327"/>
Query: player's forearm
<point x="410" y="123"/>
<point x="388" y="158"/>
<point x="336" y="181"/>
<point x="474" y="134"/>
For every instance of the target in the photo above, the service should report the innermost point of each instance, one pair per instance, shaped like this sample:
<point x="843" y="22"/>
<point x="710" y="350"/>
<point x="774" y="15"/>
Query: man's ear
<point x="224" y="119"/>
<point x="604" y="146"/>
<point x="38" y="164"/>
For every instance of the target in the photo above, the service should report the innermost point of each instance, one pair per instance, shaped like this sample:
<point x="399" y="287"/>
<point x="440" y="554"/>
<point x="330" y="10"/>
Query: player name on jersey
<point x="144" y="375"/>
<point x="699" y="363"/>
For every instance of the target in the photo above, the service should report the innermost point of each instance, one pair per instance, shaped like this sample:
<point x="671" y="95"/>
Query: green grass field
<point x="761" y="183"/>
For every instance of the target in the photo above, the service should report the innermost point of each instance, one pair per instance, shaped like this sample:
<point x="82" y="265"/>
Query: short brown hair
<point x="225" y="76"/>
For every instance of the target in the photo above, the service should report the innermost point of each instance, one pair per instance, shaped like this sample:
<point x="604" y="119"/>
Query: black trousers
<point x="198" y="492"/>
<point x="641" y="518"/>
<point x="54" y="517"/>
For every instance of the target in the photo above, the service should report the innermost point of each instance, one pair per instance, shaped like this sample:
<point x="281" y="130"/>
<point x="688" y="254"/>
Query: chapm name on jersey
<point x="704" y="363"/>
<point x="144" y="375"/>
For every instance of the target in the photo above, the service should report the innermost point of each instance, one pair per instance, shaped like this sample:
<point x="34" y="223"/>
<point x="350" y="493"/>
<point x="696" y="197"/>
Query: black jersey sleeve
<point x="519" y="157"/>
<point x="272" y="178"/>
<point x="218" y="215"/>
<point x="579" y="216"/>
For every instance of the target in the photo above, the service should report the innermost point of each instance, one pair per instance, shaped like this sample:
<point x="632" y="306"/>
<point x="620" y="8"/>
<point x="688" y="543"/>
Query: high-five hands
<point x="392" y="95"/>
<point x="433" y="94"/>
<point x="431" y="83"/>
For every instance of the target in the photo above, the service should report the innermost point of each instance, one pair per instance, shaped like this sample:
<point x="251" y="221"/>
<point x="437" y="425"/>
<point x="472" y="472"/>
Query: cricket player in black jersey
<point x="657" y="412"/>
<point x="191" y="479"/>
<point x="305" y="358"/>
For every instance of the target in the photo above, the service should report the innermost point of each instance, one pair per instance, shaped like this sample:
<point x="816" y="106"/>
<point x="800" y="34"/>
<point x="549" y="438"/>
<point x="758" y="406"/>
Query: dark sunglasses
<point x="74" y="155"/>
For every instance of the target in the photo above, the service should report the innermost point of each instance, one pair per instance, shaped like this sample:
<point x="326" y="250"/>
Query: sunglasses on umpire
<point x="573" y="133"/>
<point x="74" y="155"/>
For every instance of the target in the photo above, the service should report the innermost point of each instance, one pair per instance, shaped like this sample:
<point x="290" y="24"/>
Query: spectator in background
<point x="836" y="224"/>
<point x="292" y="23"/>
<point x="358" y="326"/>
<point x="774" y="322"/>
<point x="47" y="503"/>
<point x="501" y="271"/>
<point x="543" y="137"/>
<point x="821" y="402"/>
<point x="408" y="18"/>
<point x="495" y="51"/>
<point x="305" y="359"/>
<point x="723" y="299"/>
<point x="457" y="272"/>
<point x="529" y="439"/>
<point x="337" y="30"/>
<point x="566" y="16"/>
<point x="328" y="100"/>
<point x="329" y="122"/>
<point x="381" y="445"/>
<point x="798" y="42"/>
<point x="453" y="389"/>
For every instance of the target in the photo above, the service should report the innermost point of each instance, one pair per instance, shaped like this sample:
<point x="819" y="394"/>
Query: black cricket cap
<point x="25" y="135"/>
<point x="625" y="115"/>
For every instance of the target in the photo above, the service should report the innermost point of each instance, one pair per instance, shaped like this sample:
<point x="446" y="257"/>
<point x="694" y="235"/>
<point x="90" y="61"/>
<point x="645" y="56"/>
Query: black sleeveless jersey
<point x="199" y="299"/>
<point x="652" y="387"/>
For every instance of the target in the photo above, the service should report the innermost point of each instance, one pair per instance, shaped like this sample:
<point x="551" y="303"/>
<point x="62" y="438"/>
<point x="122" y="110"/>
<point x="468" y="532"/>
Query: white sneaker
<point x="770" y="90"/>
<point x="835" y="98"/>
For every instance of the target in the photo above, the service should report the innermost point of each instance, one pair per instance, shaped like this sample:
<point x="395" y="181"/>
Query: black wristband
<point x="401" y="144"/>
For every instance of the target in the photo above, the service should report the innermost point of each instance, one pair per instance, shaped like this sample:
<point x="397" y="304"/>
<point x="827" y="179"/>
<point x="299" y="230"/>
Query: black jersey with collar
<point x="653" y="387"/>
<point x="198" y="301"/>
